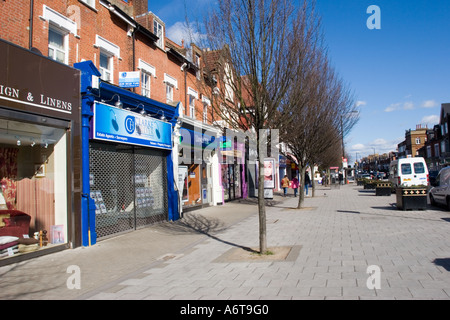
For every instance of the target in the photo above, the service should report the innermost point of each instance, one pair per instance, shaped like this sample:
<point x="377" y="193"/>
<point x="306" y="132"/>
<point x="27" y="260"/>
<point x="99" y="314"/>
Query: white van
<point x="409" y="172"/>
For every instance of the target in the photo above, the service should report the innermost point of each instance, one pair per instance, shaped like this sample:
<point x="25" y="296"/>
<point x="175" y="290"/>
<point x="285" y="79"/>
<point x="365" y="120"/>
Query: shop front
<point x="197" y="164"/>
<point x="233" y="169"/>
<point x="40" y="167"/>
<point x="128" y="171"/>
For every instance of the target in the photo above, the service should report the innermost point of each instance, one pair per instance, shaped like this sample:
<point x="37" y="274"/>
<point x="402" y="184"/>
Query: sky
<point x="398" y="74"/>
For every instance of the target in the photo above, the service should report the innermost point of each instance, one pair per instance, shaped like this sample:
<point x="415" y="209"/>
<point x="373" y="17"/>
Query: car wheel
<point x="432" y="202"/>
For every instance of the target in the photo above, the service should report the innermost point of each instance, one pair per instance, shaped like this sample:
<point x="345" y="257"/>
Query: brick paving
<point x="338" y="234"/>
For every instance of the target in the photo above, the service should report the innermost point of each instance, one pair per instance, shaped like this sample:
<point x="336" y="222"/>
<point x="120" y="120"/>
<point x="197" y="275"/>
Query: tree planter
<point x="383" y="189"/>
<point x="412" y="198"/>
<point x="360" y="182"/>
<point x="370" y="185"/>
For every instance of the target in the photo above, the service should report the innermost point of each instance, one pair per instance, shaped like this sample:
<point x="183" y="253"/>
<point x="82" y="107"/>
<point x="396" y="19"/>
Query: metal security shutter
<point x="150" y="187"/>
<point x="128" y="186"/>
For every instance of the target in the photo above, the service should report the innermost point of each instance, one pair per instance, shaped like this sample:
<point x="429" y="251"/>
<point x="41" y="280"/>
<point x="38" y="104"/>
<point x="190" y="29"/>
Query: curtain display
<point x="8" y="175"/>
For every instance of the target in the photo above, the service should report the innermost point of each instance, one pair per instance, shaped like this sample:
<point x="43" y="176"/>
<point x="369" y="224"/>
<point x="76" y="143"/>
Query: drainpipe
<point x="89" y="236"/>
<point x="30" y="32"/>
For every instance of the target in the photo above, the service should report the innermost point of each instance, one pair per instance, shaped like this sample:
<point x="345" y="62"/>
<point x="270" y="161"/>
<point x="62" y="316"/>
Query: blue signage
<point x="123" y="126"/>
<point x="130" y="79"/>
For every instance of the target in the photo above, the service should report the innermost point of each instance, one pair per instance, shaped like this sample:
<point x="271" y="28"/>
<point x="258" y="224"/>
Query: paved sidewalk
<point x="336" y="237"/>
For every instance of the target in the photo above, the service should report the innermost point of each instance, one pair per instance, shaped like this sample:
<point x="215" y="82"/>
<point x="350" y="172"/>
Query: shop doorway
<point x="128" y="185"/>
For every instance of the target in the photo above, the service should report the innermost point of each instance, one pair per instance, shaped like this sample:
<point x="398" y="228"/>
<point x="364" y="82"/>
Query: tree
<point x="255" y="44"/>
<point x="321" y="102"/>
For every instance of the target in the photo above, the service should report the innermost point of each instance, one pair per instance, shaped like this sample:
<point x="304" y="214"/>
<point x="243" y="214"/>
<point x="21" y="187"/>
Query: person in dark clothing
<point x="307" y="182"/>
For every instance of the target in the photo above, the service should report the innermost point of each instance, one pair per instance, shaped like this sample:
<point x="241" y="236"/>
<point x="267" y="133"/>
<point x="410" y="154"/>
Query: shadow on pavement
<point x="443" y="262"/>
<point x="198" y="224"/>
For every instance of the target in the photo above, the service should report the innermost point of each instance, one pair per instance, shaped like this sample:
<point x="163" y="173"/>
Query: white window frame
<point x="192" y="106"/>
<point x="65" y="39"/>
<point x="158" y="30"/>
<point x="193" y="95"/>
<point x="206" y="105"/>
<point x="89" y="3"/>
<point x="109" y="70"/>
<point x="169" y="92"/>
<point x="417" y="140"/>
<point x="59" y="20"/>
<point x="146" y="83"/>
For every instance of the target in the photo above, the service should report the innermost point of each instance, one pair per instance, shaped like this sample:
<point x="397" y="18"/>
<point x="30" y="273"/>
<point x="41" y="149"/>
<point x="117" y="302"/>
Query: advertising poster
<point x="269" y="173"/>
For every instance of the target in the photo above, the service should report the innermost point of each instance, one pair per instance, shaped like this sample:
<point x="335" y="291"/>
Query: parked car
<point x="409" y="172"/>
<point x="433" y="175"/>
<point x="440" y="192"/>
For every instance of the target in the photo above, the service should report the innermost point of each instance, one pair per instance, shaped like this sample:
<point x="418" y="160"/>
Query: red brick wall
<point x="14" y="22"/>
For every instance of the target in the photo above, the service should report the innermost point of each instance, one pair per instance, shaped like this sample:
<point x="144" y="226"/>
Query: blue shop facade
<point x="127" y="159"/>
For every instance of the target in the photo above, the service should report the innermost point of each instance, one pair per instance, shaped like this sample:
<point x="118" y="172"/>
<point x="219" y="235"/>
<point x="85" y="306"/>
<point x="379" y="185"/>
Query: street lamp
<point x="354" y="112"/>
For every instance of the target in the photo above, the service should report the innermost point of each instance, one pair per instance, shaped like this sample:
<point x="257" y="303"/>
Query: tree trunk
<point x="313" y="185"/>
<point x="262" y="209"/>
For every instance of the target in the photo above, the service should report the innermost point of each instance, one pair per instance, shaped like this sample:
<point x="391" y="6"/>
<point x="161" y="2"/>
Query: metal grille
<point x="128" y="186"/>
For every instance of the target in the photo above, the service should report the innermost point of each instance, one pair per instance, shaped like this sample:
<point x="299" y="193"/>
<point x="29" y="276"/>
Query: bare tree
<point x="254" y="44"/>
<point x="319" y="119"/>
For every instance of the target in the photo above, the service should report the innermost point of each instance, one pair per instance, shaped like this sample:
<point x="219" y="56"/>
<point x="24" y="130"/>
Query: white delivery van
<point x="409" y="172"/>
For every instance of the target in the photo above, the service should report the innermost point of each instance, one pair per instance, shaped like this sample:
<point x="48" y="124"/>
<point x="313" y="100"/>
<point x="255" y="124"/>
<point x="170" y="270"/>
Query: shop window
<point x="57" y="45"/>
<point x="33" y="176"/>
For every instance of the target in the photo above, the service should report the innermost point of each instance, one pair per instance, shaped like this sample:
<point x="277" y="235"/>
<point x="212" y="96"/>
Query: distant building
<point x="414" y="140"/>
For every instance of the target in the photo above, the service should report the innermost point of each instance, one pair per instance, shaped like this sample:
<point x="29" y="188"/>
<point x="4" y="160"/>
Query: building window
<point x="159" y="32"/>
<point x="145" y="80"/>
<point x="90" y="3"/>
<point x="169" y="92"/>
<point x="191" y="106"/>
<point x="417" y="140"/>
<point x="57" y="45"/>
<point x="443" y="147"/>
<point x="106" y="66"/>
<point x="205" y="113"/>
<point x="436" y="150"/>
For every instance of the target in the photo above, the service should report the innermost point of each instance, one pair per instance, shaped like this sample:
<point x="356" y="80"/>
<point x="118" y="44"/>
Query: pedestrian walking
<point x="341" y="178"/>
<point x="285" y="184"/>
<point x="295" y="185"/>
<point x="307" y="182"/>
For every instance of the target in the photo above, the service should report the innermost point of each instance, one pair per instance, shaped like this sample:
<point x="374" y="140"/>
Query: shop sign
<point x="282" y="161"/>
<point x="123" y="126"/>
<point x="130" y="79"/>
<point x="33" y="83"/>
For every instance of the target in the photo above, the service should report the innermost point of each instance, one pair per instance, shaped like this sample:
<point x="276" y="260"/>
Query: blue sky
<point x="399" y="74"/>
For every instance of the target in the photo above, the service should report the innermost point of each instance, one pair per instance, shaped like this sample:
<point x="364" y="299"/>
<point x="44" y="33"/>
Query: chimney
<point x="140" y="7"/>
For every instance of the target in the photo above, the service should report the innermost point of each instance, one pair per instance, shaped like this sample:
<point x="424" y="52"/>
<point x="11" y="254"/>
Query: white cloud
<point x="400" y="106"/>
<point x="392" y="107"/>
<point x="358" y="147"/>
<point x="360" y="103"/>
<point x="408" y="106"/>
<point x="181" y="31"/>
<point x="430" y="120"/>
<point x="429" y="104"/>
